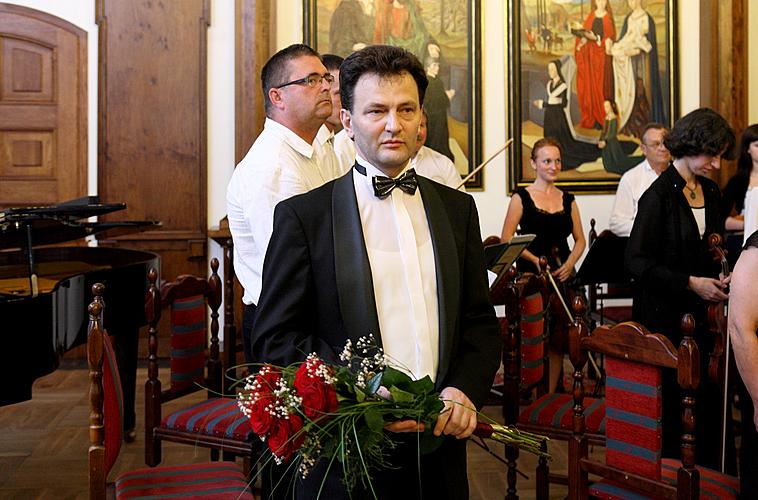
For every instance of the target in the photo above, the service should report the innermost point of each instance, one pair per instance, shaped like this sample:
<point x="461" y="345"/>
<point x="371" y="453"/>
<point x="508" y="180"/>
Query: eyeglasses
<point x="313" y="80"/>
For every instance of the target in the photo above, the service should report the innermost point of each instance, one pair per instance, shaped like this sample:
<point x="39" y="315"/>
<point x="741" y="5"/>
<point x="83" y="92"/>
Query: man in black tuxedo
<point x="382" y="251"/>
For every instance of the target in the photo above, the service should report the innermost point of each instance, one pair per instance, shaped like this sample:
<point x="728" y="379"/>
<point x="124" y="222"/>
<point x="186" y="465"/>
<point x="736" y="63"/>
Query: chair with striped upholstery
<point x="219" y="480"/>
<point x="633" y="466"/>
<point x="216" y="422"/>
<point x="549" y="414"/>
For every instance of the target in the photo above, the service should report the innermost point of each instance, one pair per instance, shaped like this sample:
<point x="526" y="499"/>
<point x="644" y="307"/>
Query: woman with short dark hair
<point x="668" y="258"/>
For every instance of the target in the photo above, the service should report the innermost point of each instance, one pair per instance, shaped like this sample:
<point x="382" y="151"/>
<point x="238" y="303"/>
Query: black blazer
<point x="317" y="284"/>
<point x="665" y="249"/>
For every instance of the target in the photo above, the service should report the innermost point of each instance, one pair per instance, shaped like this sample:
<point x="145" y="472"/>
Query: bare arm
<point x="743" y="321"/>
<point x="512" y="219"/>
<point x="564" y="272"/>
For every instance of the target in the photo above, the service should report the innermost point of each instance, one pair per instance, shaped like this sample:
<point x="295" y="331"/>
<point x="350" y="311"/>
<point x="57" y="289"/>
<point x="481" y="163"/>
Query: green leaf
<point x="429" y="443"/>
<point x="401" y="396"/>
<point x="374" y="420"/>
<point x="422" y="386"/>
<point x="395" y="377"/>
<point x="359" y="394"/>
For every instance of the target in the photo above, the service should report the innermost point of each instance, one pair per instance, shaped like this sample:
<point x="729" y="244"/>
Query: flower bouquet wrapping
<point x="316" y="411"/>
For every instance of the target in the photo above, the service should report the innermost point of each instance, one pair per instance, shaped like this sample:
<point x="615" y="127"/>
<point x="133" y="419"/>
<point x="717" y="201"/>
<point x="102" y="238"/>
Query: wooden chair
<point x="211" y="480"/>
<point x="550" y="413"/>
<point x="633" y="465"/>
<point x="523" y="330"/>
<point x="215" y="423"/>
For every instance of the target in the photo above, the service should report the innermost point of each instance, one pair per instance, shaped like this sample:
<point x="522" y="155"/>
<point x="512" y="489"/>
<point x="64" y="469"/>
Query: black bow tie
<point x="383" y="186"/>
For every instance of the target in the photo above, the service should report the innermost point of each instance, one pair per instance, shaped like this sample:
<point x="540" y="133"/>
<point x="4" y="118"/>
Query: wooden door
<point x="43" y="108"/>
<point x="152" y="125"/>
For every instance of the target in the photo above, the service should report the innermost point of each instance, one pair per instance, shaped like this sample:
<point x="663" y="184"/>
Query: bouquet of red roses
<point x="313" y="410"/>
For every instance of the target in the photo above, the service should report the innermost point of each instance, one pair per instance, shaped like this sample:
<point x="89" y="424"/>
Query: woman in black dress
<point x="552" y="215"/>
<point x="668" y="258"/>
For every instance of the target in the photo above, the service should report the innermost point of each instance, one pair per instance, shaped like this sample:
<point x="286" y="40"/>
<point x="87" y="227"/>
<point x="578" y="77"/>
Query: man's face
<point x="384" y="121"/>
<point x="302" y="103"/>
<point x="653" y="148"/>
<point x="334" y="121"/>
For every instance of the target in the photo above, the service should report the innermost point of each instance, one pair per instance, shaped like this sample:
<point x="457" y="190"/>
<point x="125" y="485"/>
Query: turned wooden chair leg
<point x="543" y="473"/>
<point x="511" y="460"/>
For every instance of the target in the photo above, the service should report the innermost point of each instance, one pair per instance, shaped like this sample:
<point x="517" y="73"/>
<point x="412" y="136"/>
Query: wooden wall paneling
<point x="253" y="20"/>
<point x="723" y="64"/>
<point x="153" y="124"/>
<point x="43" y="108"/>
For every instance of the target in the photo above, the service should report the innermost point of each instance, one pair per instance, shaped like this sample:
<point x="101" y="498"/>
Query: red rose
<point x="319" y="397"/>
<point x="285" y="437"/>
<point x="260" y="417"/>
<point x="264" y="400"/>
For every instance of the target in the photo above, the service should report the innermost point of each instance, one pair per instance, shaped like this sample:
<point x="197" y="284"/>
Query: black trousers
<point x="248" y="316"/>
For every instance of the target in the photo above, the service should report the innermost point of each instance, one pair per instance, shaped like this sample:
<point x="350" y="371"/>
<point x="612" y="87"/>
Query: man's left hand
<point x="459" y="416"/>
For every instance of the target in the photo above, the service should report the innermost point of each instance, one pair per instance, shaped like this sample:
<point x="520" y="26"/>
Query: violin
<point x="717" y="314"/>
<point x="718" y="364"/>
<point x="559" y="309"/>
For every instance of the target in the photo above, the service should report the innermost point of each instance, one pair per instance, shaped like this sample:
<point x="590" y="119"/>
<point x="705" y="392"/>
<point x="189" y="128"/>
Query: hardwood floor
<point x="43" y="446"/>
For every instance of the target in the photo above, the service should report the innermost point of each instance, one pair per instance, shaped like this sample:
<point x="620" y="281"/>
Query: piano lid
<point x="60" y="223"/>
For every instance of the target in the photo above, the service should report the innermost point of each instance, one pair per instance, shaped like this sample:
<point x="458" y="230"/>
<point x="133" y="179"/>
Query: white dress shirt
<point x="436" y="167"/>
<point x="427" y="162"/>
<point x="632" y="186"/>
<point x="401" y="256"/>
<point x="750" y="212"/>
<point x="278" y="166"/>
<point x="344" y="149"/>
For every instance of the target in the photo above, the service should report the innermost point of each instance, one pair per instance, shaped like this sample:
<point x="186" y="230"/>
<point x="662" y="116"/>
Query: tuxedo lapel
<point x="355" y="288"/>
<point x="446" y="265"/>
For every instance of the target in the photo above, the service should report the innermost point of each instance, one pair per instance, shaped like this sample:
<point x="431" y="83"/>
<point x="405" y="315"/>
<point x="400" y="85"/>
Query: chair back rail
<point x="632" y="342"/>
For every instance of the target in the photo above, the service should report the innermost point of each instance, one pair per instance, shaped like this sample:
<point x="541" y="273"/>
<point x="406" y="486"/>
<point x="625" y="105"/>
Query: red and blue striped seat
<point x="219" y="480"/>
<point x="634" y="468"/>
<point x="195" y="365"/>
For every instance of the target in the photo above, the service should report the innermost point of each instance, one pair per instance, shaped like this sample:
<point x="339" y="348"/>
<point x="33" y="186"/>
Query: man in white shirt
<point x="636" y="181"/>
<point x="291" y="156"/>
<point x="385" y="252"/>
<point x="430" y="163"/>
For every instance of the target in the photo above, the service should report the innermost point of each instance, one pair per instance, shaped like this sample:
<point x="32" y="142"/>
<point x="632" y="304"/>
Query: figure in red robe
<point x="594" y="71"/>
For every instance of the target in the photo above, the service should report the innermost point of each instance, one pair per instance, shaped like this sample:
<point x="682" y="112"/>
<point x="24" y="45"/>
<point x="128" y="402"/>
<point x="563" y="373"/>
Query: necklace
<point x="693" y="191"/>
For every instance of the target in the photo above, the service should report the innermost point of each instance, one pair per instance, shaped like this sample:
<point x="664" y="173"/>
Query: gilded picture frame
<point x="578" y="66"/>
<point x="445" y="32"/>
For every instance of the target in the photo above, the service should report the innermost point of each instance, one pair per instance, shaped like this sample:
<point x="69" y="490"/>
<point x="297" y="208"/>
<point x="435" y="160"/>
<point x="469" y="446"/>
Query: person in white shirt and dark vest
<point x="383" y="251"/>
<point x="291" y="156"/>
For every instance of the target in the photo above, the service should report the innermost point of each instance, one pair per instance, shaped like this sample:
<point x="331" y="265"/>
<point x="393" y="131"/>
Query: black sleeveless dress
<point x="551" y="229"/>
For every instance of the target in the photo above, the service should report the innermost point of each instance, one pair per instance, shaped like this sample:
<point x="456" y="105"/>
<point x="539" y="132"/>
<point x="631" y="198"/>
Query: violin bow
<point x="508" y="144"/>
<point x="571" y="318"/>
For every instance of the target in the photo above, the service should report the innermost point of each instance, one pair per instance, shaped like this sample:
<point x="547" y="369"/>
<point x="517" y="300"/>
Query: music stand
<point x="604" y="264"/>
<point x="500" y="257"/>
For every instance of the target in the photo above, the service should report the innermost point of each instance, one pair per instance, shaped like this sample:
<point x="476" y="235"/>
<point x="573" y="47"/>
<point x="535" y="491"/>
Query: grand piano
<point x="44" y="292"/>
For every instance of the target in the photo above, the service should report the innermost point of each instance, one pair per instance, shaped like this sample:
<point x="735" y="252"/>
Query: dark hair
<point x="653" y="126"/>
<point x="383" y="61"/>
<point x="275" y="71"/>
<point x="702" y="131"/>
<point x="332" y="61"/>
<point x="744" y="161"/>
<point x="545" y="142"/>
<point x="614" y="108"/>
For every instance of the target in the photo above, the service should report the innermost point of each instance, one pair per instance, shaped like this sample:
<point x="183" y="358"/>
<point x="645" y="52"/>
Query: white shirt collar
<point x="372" y="171"/>
<point x="291" y="138"/>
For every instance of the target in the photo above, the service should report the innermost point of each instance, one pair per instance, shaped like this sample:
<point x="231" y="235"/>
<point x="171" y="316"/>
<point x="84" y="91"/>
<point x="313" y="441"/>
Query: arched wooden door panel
<point x="43" y="108"/>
